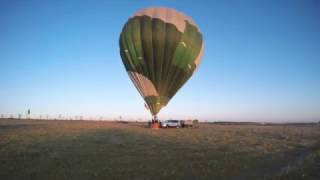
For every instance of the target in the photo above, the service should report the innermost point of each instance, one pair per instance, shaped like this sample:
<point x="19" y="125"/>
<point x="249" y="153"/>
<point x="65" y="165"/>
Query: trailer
<point x="187" y="123"/>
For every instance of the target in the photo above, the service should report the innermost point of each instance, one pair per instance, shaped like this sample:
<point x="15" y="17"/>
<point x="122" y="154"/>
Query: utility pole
<point x="28" y="114"/>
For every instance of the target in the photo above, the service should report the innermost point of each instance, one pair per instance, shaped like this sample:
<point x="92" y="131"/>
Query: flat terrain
<point x="76" y="150"/>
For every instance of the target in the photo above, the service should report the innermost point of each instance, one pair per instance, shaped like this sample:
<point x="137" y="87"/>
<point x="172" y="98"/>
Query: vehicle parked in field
<point x="171" y="123"/>
<point x="187" y="123"/>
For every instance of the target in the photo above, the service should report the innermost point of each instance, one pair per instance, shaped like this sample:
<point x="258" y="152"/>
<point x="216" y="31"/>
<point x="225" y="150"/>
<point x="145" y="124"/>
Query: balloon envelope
<point x="160" y="49"/>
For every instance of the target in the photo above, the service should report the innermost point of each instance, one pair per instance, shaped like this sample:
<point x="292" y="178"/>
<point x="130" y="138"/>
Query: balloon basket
<point x="155" y="125"/>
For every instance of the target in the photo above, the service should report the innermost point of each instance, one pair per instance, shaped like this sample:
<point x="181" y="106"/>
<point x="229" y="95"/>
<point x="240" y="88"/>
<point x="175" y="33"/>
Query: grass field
<point x="35" y="149"/>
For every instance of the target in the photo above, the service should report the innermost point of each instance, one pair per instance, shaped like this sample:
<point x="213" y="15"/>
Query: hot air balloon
<point x="160" y="48"/>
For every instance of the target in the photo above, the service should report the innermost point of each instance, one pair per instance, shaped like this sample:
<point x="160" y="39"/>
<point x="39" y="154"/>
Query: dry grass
<point x="31" y="149"/>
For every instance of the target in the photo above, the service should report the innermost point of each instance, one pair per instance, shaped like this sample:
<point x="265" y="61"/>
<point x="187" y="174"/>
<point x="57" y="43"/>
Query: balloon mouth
<point x="156" y="103"/>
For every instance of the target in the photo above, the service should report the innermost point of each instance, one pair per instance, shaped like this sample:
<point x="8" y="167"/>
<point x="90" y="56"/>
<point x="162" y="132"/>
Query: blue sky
<point x="261" y="63"/>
